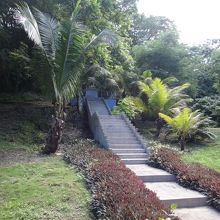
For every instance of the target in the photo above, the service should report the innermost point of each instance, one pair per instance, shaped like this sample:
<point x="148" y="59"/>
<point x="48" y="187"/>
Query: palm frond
<point x="25" y="17"/>
<point x="106" y="36"/>
<point x="48" y="29"/>
<point x="166" y="118"/>
<point x="69" y="55"/>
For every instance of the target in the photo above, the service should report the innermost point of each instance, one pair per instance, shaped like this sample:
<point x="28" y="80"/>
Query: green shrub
<point x="209" y="105"/>
<point x="131" y="106"/>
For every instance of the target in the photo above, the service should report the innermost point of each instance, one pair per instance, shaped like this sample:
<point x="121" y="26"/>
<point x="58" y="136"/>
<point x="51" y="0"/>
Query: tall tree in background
<point x="149" y="28"/>
<point x="161" y="56"/>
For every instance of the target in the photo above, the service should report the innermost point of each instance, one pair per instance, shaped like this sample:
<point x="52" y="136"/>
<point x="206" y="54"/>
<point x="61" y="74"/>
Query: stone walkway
<point x="118" y="134"/>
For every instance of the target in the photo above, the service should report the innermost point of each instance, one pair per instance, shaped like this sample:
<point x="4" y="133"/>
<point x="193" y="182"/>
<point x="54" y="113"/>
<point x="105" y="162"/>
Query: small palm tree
<point x="158" y="97"/>
<point x="188" y="124"/>
<point x="63" y="46"/>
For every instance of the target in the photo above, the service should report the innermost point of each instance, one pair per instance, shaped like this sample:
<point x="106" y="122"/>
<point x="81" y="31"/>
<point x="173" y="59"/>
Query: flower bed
<point x="117" y="192"/>
<point x="194" y="176"/>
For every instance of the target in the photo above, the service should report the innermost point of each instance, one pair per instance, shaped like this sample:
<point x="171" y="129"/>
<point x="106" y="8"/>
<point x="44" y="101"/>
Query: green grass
<point x="207" y="154"/>
<point x="47" y="189"/>
<point x="25" y="136"/>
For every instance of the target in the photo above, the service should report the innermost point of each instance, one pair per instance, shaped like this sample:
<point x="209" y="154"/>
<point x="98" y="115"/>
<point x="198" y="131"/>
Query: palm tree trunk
<point x="55" y="133"/>
<point x="159" y="125"/>
<point x="182" y="143"/>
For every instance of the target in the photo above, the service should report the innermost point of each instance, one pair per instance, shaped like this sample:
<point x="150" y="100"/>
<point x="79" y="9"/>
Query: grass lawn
<point x="46" y="189"/>
<point x="32" y="186"/>
<point x="208" y="155"/>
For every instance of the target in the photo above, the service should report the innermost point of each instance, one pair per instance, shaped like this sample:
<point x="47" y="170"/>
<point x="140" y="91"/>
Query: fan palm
<point x="63" y="46"/>
<point x="188" y="124"/>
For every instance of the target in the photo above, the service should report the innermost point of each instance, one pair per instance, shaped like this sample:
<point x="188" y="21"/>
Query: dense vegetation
<point x="51" y="49"/>
<point x="55" y="49"/>
<point x="145" y="43"/>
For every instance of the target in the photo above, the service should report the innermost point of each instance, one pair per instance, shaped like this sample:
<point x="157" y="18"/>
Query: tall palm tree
<point x="63" y="45"/>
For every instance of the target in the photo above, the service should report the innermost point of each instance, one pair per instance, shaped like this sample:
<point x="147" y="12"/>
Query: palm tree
<point x="63" y="46"/>
<point x="188" y="124"/>
<point x="158" y="97"/>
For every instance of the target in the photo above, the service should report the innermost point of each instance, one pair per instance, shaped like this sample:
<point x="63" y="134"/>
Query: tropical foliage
<point x="63" y="45"/>
<point x="105" y="82"/>
<point x="131" y="106"/>
<point x="188" y="125"/>
<point x="158" y="97"/>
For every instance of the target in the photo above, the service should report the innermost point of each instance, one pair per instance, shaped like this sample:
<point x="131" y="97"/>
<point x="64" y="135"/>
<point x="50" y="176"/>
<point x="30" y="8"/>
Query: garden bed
<point x="117" y="192"/>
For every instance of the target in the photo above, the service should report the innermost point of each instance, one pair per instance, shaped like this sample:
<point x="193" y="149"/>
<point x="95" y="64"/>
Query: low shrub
<point x="117" y="192"/>
<point x="194" y="176"/>
<point x="209" y="105"/>
<point x="131" y="106"/>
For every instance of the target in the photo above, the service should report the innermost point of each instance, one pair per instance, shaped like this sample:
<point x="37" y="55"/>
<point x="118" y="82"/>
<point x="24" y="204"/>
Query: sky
<point x="196" y="20"/>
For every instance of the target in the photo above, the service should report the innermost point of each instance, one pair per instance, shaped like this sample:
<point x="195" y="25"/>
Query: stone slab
<point x="132" y="155"/>
<point x="134" y="160"/>
<point x="136" y="150"/>
<point x="198" y="213"/>
<point x="150" y="174"/>
<point x="171" y="192"/>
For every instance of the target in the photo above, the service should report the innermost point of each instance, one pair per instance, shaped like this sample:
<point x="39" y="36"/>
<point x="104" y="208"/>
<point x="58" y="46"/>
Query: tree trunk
<point x="54" y="136"/>
<point x="159" y="125"/>
<point x="55" y="133"/>
<point x="182" y="143"/>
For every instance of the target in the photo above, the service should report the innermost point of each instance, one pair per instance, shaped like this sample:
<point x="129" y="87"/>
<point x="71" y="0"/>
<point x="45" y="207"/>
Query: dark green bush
<point x="210" y="106"/>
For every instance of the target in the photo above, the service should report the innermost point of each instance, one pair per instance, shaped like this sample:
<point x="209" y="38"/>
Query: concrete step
<point x="124" y="136"/>
<point x="171" y="192"/>
<point x="125" y="146"/>
<point x="116" y="130"/>
<point x="122" y="151"/>
<point x="150" y="174"/>
<point x="115" y="126"/>
<point x="132" y="155"/>
<point x="200" y="213"/>
<point x="123" y="141"/>
<point x="134" y="160"/>
<point x="110" y="117"/>
<point x="118" y="133"/>
<point x="113" y="120"/>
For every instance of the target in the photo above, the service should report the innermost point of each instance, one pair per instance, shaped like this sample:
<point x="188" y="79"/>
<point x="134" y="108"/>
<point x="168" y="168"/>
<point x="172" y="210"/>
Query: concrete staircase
<point x="119" y="135"/>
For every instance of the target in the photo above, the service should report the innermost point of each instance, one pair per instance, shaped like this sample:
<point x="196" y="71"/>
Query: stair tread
<point x="145" y="170"/>
<point x="171" y="190"/>
<point x="201" y="213"/>
<point x="131" y="154"/>
<point x="127" y="150"/>
<point x="143" y="159"/>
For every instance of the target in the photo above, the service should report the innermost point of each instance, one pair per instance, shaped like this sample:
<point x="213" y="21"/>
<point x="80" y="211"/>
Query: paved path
<point x="122" y="138"/>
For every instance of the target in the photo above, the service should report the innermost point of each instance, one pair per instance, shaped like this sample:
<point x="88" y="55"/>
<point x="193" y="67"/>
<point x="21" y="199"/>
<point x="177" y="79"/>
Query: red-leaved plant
<point x="194" y="176"/>
<point x="117" y="192"/>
